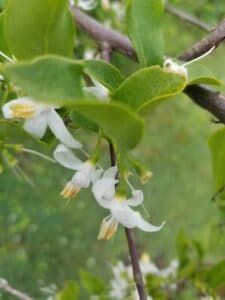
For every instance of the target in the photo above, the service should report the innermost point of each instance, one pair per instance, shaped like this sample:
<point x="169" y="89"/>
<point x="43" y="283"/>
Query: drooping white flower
<point x="37" y="117"/>
<point x="86" y="171"/>
<point x="119" y="206"/>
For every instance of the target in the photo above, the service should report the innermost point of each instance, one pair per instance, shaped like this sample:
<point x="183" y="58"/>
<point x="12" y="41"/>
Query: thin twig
<point x="4" y="285"/>
<point x="212" y="101"/>
<point x="213" y="39"/>
<point x="177" y="12"/>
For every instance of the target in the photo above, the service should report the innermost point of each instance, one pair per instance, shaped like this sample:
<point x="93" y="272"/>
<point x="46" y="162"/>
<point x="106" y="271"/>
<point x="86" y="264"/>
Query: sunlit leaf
<point x="33" y="28"/>
<point x="144" y="22"/>
<point x="51" y="79"/>
<point x="149" y="85"/>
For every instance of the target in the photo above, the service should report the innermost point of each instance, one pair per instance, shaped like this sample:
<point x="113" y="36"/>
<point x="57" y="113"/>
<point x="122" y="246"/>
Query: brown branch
<point x="212" y="101"/>
<point x="102" y="34"/>
<point x="213" y="39"/>
<point x="4" y="285"/>
<point x="186" y="17"/>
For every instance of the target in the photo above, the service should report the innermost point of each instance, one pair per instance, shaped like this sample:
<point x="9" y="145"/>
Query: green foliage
<point x="51" y="79"/>
<point x="199" y="74"/>
<point x="42" y="27"/>
<point x="70" y="291"/>
<point x="217" y="147"/>
<point x="3" y="45"/>
<point x="93" y="284"/>
<point x="104" y="72"/>
<point x="144" y="23"/>
<point x="148" y="86"/>
<point x="109" y="117"/>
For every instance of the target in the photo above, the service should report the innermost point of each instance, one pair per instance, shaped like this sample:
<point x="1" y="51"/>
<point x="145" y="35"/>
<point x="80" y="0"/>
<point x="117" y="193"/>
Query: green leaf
<point x="34" y="28"/>
<point x="144" y="21"/>
<point x="148" y="86"/>
<point x="105" y="73"/>
<point x="117" y="121"/>
<point x="51" y="79"/>
<point x="94" y="285"/>
<point x="217" y="148"/>
<point x="69" y="292"/>
<point x="3" y="46"/>
<point x="214" y="276"/>
<point x="199" y="74"/>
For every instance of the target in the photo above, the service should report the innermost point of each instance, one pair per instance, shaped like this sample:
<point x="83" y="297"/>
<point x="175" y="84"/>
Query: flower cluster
<point x="121" y="285"/>
<point x="108" y="187"/>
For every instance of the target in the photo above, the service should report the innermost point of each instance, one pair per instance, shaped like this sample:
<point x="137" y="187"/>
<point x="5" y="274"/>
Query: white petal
<point x="65" y="157"/>
<point x="81" y="179"/>
<point x="137" y="198"/>
<point x="59" y="129"/>
<point x="87" y="4"/>
<point x="7" y="113"/>
<point x="103" y="187"/>
<point x="110" y="173"/>
<point x="96" y="175"/>
<point x="37" y="125"/>
<point x="103" y="191"/>
<point x="130" y="219"/>
<point x="38" y="108"/>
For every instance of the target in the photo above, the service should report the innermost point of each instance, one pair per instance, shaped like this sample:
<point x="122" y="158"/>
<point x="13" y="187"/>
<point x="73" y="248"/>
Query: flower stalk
<point x="138" y="278"/>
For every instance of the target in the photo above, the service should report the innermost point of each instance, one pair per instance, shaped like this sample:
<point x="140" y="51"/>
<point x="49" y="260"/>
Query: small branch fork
<point x="4" y="285"/>
<point x="211" y="100"/>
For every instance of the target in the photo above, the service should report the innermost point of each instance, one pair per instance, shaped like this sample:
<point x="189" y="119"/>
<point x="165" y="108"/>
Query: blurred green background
<point x="44" y="240"/>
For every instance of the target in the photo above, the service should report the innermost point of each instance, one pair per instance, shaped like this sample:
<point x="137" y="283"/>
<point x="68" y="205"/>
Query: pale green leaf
<point x="147" y="86"/>
<point x="117" y="121"/>
<point x="51" y="78"/>
<point x="199" y="74"/>
<point x="144" y="21"/>
<point x="105" y="73"/>
<point x="34" y="28"/>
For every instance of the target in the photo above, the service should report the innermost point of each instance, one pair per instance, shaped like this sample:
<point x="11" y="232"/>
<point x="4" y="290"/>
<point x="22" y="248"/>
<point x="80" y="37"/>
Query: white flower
<point x="37" y="117"/>
<point x="175" y="67"/>
<point x="119" y="206"/>
<point x="97" y="90"/>
<point x="86" y="171"/>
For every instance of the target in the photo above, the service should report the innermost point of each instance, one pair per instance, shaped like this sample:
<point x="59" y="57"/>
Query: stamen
<point x="70" y="190"/>
<point x="22" y="110"/>
<point x="108" y="228"/>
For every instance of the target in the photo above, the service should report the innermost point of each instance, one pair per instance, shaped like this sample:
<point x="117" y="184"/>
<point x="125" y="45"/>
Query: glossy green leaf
<point x="199" y="74"/>
<point x="104" y="72"/>
<point x="51" y="79"/>
<point x="147" y="86"/>
<point x="117" y="121"/>
<point x="34" y="28"/>
<point x="70" y="291"/>
<point x="217" y="147"/>
<point x="3" y="46"/>
<point x="144" y="21"/>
